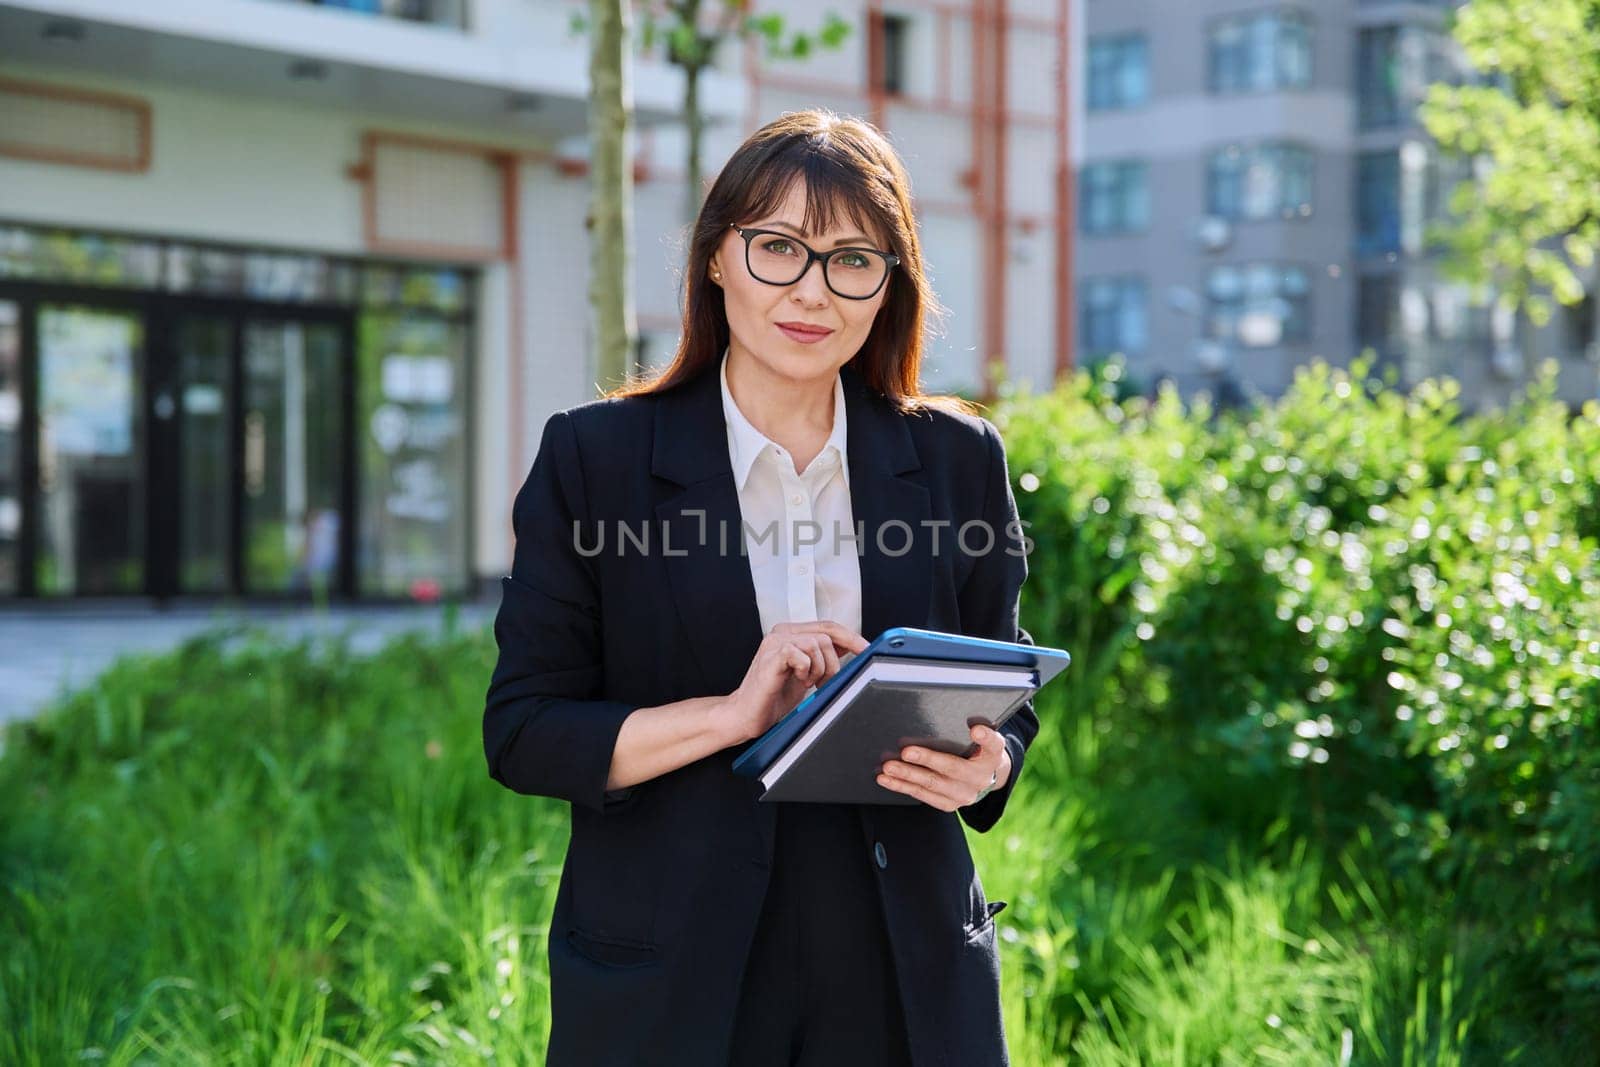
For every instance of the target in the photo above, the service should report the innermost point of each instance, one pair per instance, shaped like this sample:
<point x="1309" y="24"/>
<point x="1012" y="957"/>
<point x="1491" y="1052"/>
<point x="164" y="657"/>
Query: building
<point x="1254" y="193"/>
<point x="288" y="287"/>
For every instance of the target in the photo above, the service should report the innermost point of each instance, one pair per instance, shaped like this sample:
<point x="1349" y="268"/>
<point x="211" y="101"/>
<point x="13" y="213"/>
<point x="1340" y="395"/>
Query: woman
<point x="693" y="554"/>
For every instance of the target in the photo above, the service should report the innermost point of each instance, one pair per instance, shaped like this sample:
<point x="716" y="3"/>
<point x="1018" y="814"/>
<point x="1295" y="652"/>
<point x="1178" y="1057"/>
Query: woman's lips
<point x="805" y="337"/>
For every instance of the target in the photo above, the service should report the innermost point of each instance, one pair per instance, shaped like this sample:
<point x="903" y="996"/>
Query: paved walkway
<point x="48" y="650"/>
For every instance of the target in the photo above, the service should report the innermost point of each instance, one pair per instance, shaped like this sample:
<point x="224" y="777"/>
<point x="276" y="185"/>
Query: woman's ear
<point x="715" y="271"/>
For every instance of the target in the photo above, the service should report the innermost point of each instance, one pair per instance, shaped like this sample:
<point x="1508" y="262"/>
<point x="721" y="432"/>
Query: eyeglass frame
<point x="813" y="256"/>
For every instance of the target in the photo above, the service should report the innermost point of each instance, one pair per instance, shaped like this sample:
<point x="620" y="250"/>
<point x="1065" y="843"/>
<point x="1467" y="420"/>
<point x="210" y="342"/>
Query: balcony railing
<point x="452" y="13"/>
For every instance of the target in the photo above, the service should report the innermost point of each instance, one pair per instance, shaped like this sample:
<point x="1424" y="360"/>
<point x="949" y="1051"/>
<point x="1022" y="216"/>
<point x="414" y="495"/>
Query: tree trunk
<point x="611" y="192"/>
<point x="697" y="124"/>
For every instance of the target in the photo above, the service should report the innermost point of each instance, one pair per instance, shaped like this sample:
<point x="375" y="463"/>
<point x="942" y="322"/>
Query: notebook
<point x="907" y="687"/>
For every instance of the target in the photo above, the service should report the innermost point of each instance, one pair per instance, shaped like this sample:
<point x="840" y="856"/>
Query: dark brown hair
<point x="849" y="169"/>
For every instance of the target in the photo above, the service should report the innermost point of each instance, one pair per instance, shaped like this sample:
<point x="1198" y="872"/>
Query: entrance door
<point x="260" y="454"/>
<point x="173" y="446"/>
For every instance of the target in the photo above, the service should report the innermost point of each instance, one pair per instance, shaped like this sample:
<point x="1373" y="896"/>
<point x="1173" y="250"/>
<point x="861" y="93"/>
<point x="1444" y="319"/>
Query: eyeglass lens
<point x="777" y="260"/>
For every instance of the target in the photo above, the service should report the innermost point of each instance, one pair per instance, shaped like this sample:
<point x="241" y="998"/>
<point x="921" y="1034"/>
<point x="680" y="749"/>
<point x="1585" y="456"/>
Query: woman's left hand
<point x="949" y="782"/>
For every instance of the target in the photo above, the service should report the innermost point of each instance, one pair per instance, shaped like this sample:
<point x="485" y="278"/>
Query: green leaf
<point x="835" y="31"/>
<point x="768" y="26"/>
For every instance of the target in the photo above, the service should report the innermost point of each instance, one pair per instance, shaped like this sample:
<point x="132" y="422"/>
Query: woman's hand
<point x="949" y="782"/>
<point x="792" y="658"/>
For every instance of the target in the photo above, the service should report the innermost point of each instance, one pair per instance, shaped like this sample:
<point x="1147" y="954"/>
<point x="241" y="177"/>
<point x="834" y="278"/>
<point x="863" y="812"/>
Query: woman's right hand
<point x="792" y="658"/>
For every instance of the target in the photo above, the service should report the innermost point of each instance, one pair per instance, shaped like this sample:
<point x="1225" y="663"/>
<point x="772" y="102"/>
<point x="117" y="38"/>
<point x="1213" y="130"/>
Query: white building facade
<point x="287" y="288"/>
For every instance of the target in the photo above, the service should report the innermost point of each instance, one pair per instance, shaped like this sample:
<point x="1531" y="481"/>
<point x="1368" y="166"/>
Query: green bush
<point x="1352" y="606"/>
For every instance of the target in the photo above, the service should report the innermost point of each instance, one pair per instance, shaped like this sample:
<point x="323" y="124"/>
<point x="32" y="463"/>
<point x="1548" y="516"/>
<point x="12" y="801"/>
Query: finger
<point x="819" y="664"/>
<point x="844" y="638"/>
<point x="989" y="738"/>
<point x="912" y="789"/>
<point x="830" y="658"/>
<point x="800" y="658"/>
<point x="793" y="660"/>
<point x="946" y="765"/>
<point x="954" y="791"/>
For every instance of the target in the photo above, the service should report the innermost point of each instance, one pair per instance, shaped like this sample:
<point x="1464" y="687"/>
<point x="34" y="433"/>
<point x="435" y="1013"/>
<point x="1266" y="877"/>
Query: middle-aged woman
<point x="696" y="551"/>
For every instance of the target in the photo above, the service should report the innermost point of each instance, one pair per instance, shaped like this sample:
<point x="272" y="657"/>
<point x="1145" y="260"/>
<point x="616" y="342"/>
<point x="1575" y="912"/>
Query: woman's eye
<point x="778" y="246"/>
<point x="854" y="260"/>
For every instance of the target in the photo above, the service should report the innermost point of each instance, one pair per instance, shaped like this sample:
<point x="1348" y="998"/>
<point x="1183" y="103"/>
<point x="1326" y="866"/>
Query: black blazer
<point x="663" y="882"/>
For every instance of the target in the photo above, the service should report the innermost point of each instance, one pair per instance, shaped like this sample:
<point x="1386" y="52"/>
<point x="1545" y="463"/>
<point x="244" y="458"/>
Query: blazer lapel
<point x="710" y="578"/>
<point x="890" y="511"/>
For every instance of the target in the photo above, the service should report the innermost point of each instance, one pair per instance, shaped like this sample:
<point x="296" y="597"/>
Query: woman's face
<point x="758" y="313"/>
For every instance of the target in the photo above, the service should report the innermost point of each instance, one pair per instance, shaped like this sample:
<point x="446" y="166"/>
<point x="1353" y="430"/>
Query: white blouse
<point x="799" y="529"/>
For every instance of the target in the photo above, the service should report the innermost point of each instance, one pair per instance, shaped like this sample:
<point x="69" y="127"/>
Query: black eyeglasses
<point x="779" y="259"/>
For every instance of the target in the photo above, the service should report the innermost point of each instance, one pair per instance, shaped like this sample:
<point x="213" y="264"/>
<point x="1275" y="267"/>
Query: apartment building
<point x="1254" y="193"/>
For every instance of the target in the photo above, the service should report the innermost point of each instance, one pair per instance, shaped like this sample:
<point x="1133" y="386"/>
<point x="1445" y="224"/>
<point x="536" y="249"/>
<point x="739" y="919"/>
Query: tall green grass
<point x="248" y="852"/>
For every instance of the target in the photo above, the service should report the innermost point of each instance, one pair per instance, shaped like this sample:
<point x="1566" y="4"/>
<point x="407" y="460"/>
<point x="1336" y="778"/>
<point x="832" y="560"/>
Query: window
<point x="1377" y="203"/>
<point x="1258" y="53"/>
<point x="889" y="39"/>
<point x="1259" y="305"/>
<point x="1115" y="198"/>
<point x="1263" y="182"/>
<point x="1378" y="77"/>
<point x="1400" y="193"/>
<point x="1113" y="315"/>
<point x="1378" y="311"/>
<point x="1394" y="67"/>
<point x="1119" y="72"/>
<point x="1579" y="321"/>
<point x="439" y="12"/>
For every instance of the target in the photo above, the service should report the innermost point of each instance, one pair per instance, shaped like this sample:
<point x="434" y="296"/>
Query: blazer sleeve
<point x="988" y="601"/>
<point x="546" y="731"/>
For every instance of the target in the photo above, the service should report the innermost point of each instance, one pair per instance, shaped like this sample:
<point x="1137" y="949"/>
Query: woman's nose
<point x="813" y="286"/>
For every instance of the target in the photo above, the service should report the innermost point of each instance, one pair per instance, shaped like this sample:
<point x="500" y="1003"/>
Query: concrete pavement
<point x="50" y="649"/>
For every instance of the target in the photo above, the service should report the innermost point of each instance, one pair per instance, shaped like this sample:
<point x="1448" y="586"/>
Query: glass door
<point x="91" y="514"/>
<point x="203" y="364"/>
<point x="295" y="469"/>
<point x="258" y="453"/>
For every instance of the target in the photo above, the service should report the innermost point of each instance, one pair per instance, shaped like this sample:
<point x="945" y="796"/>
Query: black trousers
<point x="819" y="987"/>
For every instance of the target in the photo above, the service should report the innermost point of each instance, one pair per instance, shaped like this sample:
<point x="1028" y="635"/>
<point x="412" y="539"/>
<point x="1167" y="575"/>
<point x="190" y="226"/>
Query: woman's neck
<point x="798" y="415"/>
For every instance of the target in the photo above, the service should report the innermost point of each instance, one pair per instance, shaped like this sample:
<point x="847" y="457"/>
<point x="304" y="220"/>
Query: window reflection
<point x="1260" y="53"/>
<point x="91" y="452"/>
<point x="1259" y="305"/>
<point x="1114" y="315"/>
<point x="292" y="427"/>
<point x="1265" y="181"/>
<point x="412" y="421"/>
<point x="51" y="255"/>
<point x="1115" y="197"/>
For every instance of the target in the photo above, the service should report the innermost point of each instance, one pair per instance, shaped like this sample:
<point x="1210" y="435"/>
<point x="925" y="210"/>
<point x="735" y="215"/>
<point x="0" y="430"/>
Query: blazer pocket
<point x="993" y="908"/>
<point x="612" y="951"/>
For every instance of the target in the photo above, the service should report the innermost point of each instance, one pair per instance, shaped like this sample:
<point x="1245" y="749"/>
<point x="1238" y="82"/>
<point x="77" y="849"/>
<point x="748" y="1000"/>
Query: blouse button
<point x="797" y="498"/>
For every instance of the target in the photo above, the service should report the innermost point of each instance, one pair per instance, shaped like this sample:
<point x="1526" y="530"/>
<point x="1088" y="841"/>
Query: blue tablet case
<point x="901" y="642"/>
